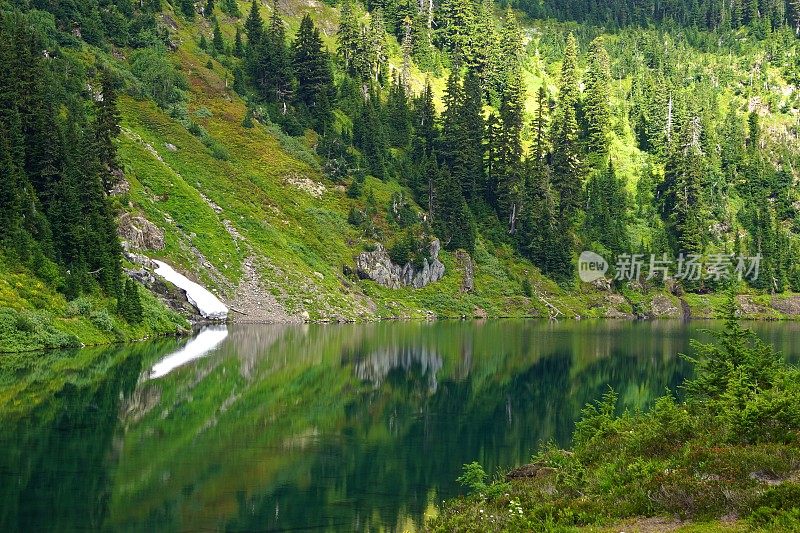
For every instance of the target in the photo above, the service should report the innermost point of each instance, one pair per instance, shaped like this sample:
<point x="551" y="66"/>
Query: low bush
<point x="730" y="447"/>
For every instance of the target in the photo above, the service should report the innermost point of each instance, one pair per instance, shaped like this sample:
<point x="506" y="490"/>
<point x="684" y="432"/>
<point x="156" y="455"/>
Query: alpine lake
<point x="359" y="427"/>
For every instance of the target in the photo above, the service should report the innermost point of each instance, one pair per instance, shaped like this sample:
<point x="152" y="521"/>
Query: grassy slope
<point x="33" y="316"/>
<point x="294" y="235"/>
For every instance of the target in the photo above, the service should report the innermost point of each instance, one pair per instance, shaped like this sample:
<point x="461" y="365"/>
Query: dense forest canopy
<point x="650" y="127"/>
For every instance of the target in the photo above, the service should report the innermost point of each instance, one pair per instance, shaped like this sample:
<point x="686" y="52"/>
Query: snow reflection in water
<point x="209" y="338"/>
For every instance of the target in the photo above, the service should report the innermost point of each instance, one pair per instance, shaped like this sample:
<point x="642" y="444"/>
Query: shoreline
<point x="197" y="324"/>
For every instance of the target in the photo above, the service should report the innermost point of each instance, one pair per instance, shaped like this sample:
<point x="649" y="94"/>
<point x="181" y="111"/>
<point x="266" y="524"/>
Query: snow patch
<point x="209" y="305"/>
<point x="205" y="341"/>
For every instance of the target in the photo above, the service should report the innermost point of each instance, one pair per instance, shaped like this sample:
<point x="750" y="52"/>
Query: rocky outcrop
<point x="788" y="305"/>
<point x="465" y="262"/>
<point x="663" y="307"/>
<point x="378" y="266"/>
<point x="138" y="233"/>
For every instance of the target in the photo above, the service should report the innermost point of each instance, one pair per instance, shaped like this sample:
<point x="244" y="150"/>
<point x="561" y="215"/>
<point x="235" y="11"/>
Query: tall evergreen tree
<point x="217" y="42"/>
<point x="596" y="105"/>
<point x="107" y="128"/>
<point x="566" y="155"/>
<point x="606" y="207"/>
<point x="377" y="44"/>
<point x="398" y="116"/>
<point x="312" y="69"/>
<point x="424" y="119"/>
<point x="683" y="203"/>
<point x="238" y="47"/>
<point x="471" y="152"/>
<point x="271" y="67"/>
<point x="370" y="137"/>
<point x="452" y="219"/>
<point x="542" y="235"/>
<point x="253" y="27"/>
<point x="457" y="29"/>
<point x="485" y="48"/>
<point x="510" y="54"/>
<point x="348" y="35"/>
<point x="539" y="126"/>
<point x="510" y="185"/>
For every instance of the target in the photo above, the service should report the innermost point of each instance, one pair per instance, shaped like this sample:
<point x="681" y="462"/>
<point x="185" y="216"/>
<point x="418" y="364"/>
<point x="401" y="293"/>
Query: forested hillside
<point x="261" y="147"/>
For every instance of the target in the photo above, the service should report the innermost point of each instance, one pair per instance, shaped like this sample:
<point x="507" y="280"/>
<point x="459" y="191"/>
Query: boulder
<point x="378" y="266"/>
<point x="663" y="307"/>
<point x="789" y="305"/>
<point x="139" y="233"/>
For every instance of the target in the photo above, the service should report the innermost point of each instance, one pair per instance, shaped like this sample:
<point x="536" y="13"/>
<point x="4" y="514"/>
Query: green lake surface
<point x="308" y="428"/>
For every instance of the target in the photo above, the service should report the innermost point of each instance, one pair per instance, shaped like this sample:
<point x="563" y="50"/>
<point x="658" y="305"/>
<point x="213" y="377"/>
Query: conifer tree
<point x="348" y="35"/>
<point x="452" y="219"/>
<point x="453" y="97"/>
<point x="733" y="146"/>
<point x="493" y="168"/>
<point x="471" y="151"/>
<point x="398" y="116"/>
<point x="312" y="69"/>
<point x="566" y="156"/>
<point x="539" y="126"/>
<point x="485" y="53"/>
<point x="606" y="206"/>
<point x="684" y="206"/>
<point x="421" y="39"/>
<point x="253" y="27"/>
<point x="424" y="118"/>
<point x="542" y="235"/>
<point x="510" y="186"/>
<point x="377" y="44"/>
<point x="457" y="29"/>
<point x="217" y="42"/>
<point x="271" y="66"/>
<point x="370" y="137"/>
<point x="187" y="8"/>
<point x="407" y="48"/>
<point x="11" y="196"/>
<point x="107" y="128"/>
<point x="596" y="105"/>
<point x="238" y="48"/>
<point x="208" y="11"/>
<point x="510" y="54"/>
<point x="129" y="303"/>
<point x="230" y="7"/>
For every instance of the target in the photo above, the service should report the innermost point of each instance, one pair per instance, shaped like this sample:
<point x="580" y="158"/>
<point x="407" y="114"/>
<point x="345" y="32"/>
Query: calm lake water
<point x="295" y="428"/>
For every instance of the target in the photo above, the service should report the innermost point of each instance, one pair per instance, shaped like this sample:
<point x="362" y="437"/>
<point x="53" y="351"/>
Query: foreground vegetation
<point x="728" y="449"/>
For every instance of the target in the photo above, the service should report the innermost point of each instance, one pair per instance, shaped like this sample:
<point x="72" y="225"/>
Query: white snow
<point x="205" y="341"/>
<point x="209" y="305"/>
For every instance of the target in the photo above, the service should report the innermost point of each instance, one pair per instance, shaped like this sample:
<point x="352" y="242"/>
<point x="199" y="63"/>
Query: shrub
<point x="158" y="76"/>
<point x="80" y="306"/>
<point x="473" y="477"/>
<point x="102" y="320"/>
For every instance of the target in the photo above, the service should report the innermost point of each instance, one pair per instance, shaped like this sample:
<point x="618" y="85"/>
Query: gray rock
<point x="663" y="307"/>
<point x="378" y="266"/>
<point x="139" y="233"/>
<point x="465" y="261"/>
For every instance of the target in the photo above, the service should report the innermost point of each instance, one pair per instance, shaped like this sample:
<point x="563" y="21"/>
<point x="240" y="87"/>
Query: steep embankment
<point x="247" y="212"/>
